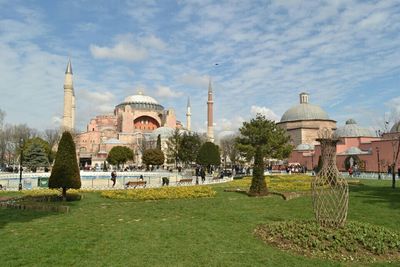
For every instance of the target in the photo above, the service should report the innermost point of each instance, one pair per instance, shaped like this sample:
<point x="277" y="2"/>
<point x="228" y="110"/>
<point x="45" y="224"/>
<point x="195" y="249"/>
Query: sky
<point x="259" y="55"/>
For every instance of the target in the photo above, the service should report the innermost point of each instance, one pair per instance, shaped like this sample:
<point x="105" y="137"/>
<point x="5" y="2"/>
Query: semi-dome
<point x="304" y="111"/>
<point x="164" y="132"/>
<point x="351" y="129"/>
<point x="395" y="128"/>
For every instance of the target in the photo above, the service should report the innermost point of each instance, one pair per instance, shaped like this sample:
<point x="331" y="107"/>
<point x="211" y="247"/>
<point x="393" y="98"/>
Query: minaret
<point x="69" y="100"/>
<point x="210" y="102"/>
<point x="188" y="115"/>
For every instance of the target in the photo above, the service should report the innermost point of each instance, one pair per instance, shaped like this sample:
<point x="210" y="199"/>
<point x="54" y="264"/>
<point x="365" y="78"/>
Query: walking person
<point x="203" y="175"/>
<point x="113" y="177"/>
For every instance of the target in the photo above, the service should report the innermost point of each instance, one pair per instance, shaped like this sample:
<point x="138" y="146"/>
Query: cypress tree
<point x="65" y="172"/>
<point x="158" y="146"/>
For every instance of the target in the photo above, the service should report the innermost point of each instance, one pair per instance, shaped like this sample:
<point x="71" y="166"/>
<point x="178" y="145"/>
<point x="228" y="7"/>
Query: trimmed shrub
<point x="65" y="172"/>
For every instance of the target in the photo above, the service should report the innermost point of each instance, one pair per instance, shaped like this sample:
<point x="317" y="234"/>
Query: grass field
<point x="184" y="232"/>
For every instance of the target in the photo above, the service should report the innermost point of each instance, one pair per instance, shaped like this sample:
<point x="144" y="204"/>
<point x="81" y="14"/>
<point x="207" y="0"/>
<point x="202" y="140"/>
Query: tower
<point x="210" y="102"/>
<point x="69" y="100"/>
<point x="188" y="115"/>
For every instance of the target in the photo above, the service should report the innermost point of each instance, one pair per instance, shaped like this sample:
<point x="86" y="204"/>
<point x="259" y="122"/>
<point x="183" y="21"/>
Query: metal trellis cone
<point x="330" y="192"/>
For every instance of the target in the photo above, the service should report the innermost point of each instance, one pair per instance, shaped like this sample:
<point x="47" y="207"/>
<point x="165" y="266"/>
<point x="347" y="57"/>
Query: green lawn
<point x="194" y="232"/>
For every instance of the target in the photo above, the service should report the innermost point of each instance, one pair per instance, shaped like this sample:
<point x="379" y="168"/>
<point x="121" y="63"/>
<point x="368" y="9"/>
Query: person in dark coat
<point x="203" y="175"/>
<point x="113" y="177"/>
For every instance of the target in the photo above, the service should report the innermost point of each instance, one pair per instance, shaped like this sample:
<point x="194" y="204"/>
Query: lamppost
<point x="312" y="162"/>
<point x="21" y="147"/>
<point x="379" y="164"/>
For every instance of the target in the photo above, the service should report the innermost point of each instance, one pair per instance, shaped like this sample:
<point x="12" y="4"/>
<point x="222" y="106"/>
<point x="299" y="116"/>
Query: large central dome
<point x="140" y="98"/>
<point x="304" y="111"/>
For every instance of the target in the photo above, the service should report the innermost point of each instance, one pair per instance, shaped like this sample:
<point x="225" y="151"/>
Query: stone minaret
<point x="69" y="100"/>
<point x="210" y="102"/>
<point x="188" y="115"/>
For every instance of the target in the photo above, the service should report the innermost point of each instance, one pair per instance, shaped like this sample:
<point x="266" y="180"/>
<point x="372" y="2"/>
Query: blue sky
<point x="346" y="54"/>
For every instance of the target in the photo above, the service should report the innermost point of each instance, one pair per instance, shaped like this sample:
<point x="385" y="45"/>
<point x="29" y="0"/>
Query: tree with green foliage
<point x="190" y="144"/>
<point x="153" y="156"/>
<point x="173" y="144"/>
<point x="262" y="138"/>
<point x="35" y="157"/>
<point x="208" y="155"/>
<point x="119" y="155"/>
<point x="44" y="144"/>
<point x="65" y="172"/>
<point x="158" y="145"/>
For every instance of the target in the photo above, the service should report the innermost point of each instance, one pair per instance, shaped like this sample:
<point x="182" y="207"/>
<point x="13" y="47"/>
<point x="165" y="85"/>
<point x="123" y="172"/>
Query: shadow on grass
<point x="10" y="215"/>
<point x="30" y="208"/>
<point x="377" y="194"/>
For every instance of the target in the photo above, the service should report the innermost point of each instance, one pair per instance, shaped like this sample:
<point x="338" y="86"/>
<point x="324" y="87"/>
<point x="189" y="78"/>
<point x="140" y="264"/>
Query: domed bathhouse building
<point x="358" y="148"/>
<point x="303" y="121"/>
<point x="137" y="120"/>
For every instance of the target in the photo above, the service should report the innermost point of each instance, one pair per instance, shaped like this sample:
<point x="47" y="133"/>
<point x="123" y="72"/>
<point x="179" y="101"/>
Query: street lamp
<point x="379" y="164"/>
<point x="21" y="147"/>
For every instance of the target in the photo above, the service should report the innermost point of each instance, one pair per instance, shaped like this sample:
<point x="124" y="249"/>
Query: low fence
<point x="102" y="180"/>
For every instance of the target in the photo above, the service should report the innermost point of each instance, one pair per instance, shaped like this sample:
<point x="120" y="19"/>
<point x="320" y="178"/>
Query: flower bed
<point x="161" y="193"/>
<point x="354" y="242"/>
<point x="278" y="183"/>
<point x="49" y="195"/>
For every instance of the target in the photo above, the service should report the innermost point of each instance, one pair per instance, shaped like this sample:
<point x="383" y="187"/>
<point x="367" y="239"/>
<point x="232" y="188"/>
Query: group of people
<point x="200" y="171"/>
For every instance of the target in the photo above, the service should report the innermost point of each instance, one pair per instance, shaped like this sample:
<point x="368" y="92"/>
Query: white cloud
<point x="154" y="42"/>
<point x="129" y="48"/>
<point x="195" y="80"/>
<point x="268" y="113"/>
<point x="165" y="91"/>
<point x="122" y="51"/>
<point x="373" y="20"/>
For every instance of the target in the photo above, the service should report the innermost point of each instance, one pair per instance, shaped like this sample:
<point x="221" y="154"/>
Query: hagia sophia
<point x="140" y="117"/>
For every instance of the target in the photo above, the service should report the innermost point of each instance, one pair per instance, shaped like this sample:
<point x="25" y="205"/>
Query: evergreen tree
<point x="189" y="147"/>
<point x="262" y="138"/>
<point x="65" y="172"/>
<point x="208" y="155"/>
<point x="119" y="155"/>
<point x="158" y="146"/>
<point x="35" y="157"/>
<point x="153" y="157"/>
<point x="44" y="144"/>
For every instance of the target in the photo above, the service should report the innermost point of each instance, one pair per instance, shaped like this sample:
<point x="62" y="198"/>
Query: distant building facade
<point x="133" y="122"/>
<point x="303" y="122"/>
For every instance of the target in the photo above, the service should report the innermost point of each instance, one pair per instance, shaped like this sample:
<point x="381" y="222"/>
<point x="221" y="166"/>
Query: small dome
<point x="354" y="151"/>
<point x="164" y="132"/>
<point x="304" y="111"/>
<point x="304" y="147"/>
<point x="395" y="128"/>
<point x="112" y="141"/>
<point x="351" y="129"/>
